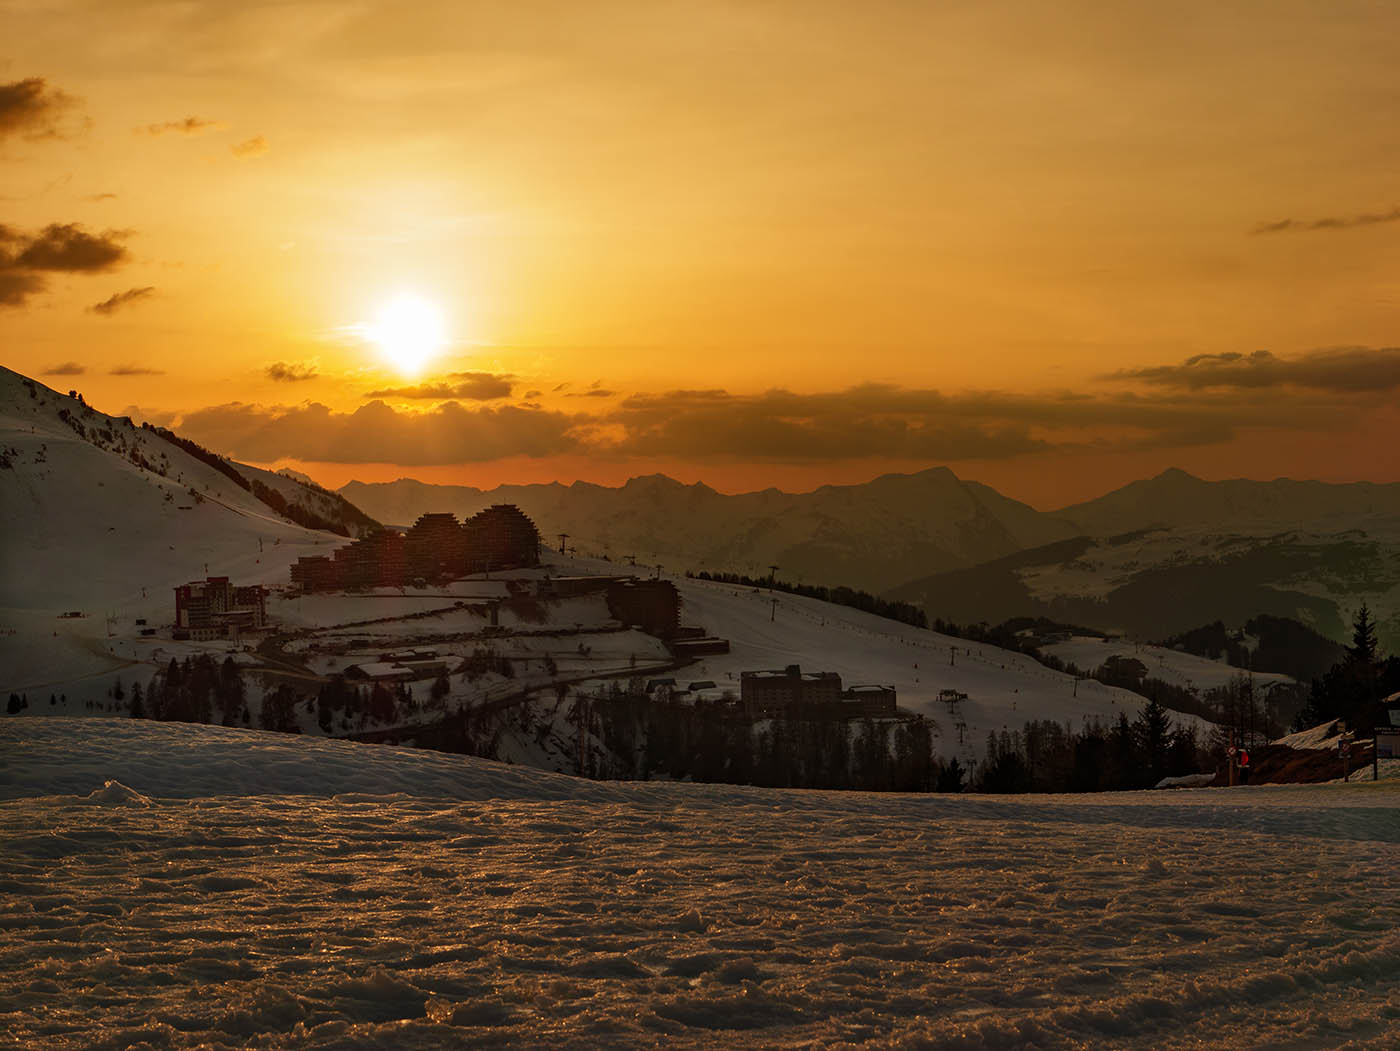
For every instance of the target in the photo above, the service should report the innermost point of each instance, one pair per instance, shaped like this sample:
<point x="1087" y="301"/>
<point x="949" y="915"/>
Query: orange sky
<point x="746" y="243"/>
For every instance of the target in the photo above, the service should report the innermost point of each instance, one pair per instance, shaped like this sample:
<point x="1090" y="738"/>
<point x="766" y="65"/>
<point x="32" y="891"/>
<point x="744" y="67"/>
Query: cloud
<point x="134" y="370"/>
<point x="115" y="302"/>
<point x="59" y="247"/>
<point x="474" y="386"/>
<point x="187" y="126"/>
<point x="16" y="286"/>
<point x="67" y="368"/>
<point x="888" y="421"/>
<point x="32" y="109"/>
<point x="289" y="372"/>
<point x="253" y="147"/>
<point x="871" y="421"/>
<point x="1338" y="370"/>
<point x="378" y="433"/>
<point x="100" y="197"/>
<point x="1294" y="226"/>
<point x="777" y="425"/>
<point x="68" y="247"/>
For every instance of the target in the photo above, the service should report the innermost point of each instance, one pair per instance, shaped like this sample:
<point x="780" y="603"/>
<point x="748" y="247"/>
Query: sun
<point x="409" y="331"/>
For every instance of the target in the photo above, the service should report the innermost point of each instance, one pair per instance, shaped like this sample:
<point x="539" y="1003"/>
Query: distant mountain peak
<point x="1174" y="474"/>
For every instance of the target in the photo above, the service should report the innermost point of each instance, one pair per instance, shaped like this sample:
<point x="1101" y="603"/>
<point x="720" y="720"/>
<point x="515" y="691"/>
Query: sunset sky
<point x="1053" y="246"/>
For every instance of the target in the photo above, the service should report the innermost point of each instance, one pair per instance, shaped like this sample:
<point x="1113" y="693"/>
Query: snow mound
<point x="1187" y="781"/>
<point x="114" y="793"/>
<point x="1324" y="735"/>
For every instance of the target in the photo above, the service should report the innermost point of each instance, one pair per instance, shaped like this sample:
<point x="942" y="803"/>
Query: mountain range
<point x="874" y="536"/>
<point x="1155" y="557"/>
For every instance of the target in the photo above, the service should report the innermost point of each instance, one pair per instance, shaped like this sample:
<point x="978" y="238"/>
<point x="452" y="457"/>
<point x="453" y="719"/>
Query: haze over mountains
<point x="1155" y="557"/>
<point x="872" y="536"/>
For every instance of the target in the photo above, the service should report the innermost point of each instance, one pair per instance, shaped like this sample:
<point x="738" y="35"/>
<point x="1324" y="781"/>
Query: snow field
<point x="1004" y="689"/>
<point x="1173" y="666"/>
<point x="237" y="889"/>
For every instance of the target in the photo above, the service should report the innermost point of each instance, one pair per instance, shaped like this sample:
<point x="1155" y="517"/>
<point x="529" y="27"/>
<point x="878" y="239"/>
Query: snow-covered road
<point x="241" y="889"/>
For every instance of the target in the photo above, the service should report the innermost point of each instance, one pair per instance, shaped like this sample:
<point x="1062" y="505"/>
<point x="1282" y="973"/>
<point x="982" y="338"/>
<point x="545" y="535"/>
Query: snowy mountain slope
<point x="1004" y="689"/>
<point x="1158" y="582"/>
<point x="867" y="536"/>
<point x="1177" y="499"/>
<point x="258" y="890"/>
<point x="95" y="510"/>
<point x="1186" y="670"/>
<point x="103" y="518"/>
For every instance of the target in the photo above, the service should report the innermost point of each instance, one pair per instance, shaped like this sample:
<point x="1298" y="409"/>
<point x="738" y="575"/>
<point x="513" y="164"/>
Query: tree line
<point x="1045" y="756"/>
<point x="904" y="612"/>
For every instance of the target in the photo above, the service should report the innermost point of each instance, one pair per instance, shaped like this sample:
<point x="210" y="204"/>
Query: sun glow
<point x="409" y="331"/>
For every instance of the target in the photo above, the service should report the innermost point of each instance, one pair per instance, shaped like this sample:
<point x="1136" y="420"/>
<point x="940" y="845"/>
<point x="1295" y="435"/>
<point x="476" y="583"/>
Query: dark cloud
<point x="113" y="303"/>
<point x="593" y="392"/>
<point x="16" y="286"/>
<point x="880" y="420"/>
<point x="67" y="246"/>
<point x="378" y="433"/>
<point x="67" y="368"/>
<point x="32" y="109"/>
<point x="781" y="426"/>
<point x="254" y="147"/>
<point x="59" y="247"/>
<point x="188" y="126"/>
<point x="872" y="421"/>
<point x="289" y="372"/>
<point x="1340" y="370"/>
<point x="532" y="394"/>
<point x="474" y="386"/>
<point x="101" y="197"/>
<point x="134" y="370"/>
<point x="1295" y="226"/>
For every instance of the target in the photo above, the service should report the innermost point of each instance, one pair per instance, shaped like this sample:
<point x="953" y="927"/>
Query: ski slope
<point x="1187" y="670"/>
<point x="1004" y="689"/>
<point x="184" y="886"/>
<point x="107" y="528"/>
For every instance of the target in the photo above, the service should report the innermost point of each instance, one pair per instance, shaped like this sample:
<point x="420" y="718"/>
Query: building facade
<point x="793" y="693"/>
<point x="214" y="608"/>
<point x="436" y="549"/>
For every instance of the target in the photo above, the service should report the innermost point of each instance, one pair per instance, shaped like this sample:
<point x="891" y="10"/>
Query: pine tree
<point x="1153" y="732"/>
<point x="137" y="706"/>
<point x="1362" y="651"/>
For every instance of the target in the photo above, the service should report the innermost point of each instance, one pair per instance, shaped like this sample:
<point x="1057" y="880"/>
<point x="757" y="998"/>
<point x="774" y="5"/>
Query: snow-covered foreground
<point x="239" y="889"/>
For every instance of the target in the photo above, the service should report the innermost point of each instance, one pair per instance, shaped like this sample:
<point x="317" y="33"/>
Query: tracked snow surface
<point x="171" y="886"/>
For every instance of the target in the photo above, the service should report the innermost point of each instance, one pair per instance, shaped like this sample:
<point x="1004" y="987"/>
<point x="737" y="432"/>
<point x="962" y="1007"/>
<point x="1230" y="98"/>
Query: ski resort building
<point x="501" y="537"/>
<point x="214" y="608"/>
<point x="652" y="605"/>
<point x="869" y="700"/>
<point x="791" y="692"/>
<point x="437" y="548"/>
<point x="315" y="573"/>
<point x="775" y="692"/>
